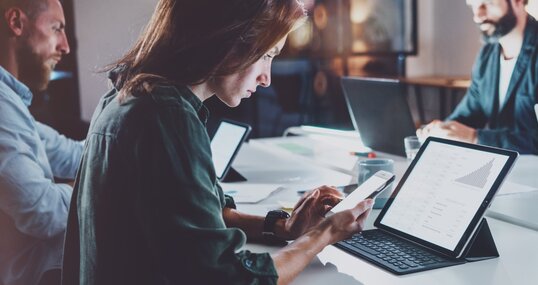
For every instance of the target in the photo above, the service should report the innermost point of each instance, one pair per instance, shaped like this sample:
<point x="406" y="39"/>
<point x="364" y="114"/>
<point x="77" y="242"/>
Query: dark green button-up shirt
<point x="147" y="208"/>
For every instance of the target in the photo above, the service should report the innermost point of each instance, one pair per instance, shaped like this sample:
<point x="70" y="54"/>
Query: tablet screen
<point x="225" y="144"/>
<point x="445" y="192"/>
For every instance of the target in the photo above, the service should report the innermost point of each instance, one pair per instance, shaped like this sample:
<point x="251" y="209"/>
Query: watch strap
<point x="270" y="221"/>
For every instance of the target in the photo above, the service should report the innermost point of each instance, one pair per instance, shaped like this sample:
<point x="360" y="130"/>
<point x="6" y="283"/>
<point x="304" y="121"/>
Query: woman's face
<point x="232" y="88"/>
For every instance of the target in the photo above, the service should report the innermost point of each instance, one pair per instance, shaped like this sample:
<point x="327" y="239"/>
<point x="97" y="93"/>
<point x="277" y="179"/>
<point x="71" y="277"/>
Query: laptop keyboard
<point x="397" y="255"/>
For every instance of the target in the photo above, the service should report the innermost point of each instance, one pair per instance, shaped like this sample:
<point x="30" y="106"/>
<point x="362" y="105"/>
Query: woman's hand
<point x="310" y="211"/>
<point x="293" y="258"/>
<point x="344" y="224"/>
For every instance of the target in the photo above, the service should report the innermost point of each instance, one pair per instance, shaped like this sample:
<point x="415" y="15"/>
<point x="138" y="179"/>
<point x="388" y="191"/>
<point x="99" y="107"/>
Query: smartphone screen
<point x="368" y="189"/>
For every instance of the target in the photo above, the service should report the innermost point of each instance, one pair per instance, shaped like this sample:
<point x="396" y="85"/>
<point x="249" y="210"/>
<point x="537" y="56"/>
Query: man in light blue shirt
<point x="33" y="208"/>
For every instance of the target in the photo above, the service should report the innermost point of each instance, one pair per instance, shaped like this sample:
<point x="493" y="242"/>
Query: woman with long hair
<point x="147" y="206"/>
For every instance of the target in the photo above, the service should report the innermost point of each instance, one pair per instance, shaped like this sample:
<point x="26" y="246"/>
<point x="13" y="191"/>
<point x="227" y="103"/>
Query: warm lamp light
<point x="360" y="10"/>
<point x="359" y="46"/>
<point x="301" y="37"/>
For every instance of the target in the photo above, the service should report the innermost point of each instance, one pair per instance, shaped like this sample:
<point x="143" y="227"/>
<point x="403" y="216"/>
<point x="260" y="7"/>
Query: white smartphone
<point x="369" y="189"/>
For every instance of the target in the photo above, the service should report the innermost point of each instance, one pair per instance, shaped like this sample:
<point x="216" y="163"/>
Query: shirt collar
<point x="18" y="87"/>
<point x="197" y="104"/>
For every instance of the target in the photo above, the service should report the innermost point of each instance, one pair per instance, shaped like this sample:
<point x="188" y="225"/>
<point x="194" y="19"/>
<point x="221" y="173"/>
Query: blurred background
<point x="431" y="44"/>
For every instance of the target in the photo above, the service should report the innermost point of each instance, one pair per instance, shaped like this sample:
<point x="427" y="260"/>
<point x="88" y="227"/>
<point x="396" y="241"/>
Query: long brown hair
<point x="187" y="42"/>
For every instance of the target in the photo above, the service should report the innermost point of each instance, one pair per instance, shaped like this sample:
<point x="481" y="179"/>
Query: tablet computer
<point x="437" y="209"/>
<point x="225" y="145"/>
<point x="444" y="193"/>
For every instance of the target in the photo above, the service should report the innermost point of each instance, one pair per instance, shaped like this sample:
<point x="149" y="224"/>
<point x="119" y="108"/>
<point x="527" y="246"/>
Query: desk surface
<point x="517" y="245"/>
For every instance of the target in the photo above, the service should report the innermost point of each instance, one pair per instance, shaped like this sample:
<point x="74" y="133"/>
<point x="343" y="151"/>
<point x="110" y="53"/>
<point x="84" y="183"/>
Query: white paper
<point x="247" y="192"/>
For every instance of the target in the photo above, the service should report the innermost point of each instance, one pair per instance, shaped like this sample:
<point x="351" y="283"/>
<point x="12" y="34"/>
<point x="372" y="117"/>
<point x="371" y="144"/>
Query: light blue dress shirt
<point x="33" y="208"/>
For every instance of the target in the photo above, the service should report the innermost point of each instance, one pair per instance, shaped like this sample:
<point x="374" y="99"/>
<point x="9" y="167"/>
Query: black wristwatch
<point x="270" y="221"/>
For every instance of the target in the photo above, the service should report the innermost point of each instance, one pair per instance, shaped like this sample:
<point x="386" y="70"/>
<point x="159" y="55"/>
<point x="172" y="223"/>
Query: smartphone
<point x="348" y="188"/>
<point x="369" y="189"/>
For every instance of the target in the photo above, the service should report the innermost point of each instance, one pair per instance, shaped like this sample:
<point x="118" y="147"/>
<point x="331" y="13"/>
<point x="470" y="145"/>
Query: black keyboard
<point x="392" y="253"/>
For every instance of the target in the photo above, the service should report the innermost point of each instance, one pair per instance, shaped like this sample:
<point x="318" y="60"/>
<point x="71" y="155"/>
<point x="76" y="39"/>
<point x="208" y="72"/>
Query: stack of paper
<point x="249" y="193"/>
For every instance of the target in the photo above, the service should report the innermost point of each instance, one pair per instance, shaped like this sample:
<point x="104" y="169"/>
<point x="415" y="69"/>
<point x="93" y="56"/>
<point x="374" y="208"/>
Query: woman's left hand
<point x="310" y="211"/>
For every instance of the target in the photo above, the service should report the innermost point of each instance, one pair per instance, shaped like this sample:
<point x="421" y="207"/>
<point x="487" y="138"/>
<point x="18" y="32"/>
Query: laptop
<point x="380" y="112"/>
<point x="434" y="218"/>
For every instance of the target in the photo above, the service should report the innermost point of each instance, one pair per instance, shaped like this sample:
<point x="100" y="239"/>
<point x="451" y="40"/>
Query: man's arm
<point x="37" y="206"/>
<point x="470" y="111"/>
<point x="64" y="154"/>
<point x="522" y="142"/>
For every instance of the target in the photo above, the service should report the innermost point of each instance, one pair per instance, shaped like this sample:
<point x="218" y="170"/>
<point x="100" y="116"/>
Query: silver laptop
<point x="380" y="112"/>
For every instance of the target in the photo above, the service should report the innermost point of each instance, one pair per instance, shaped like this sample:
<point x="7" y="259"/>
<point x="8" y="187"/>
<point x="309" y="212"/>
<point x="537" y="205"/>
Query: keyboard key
<point x="410" y="263"/>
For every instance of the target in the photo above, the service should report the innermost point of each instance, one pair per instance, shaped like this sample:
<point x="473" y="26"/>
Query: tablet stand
<point x="482" y="246"/>
<point x="233" y="176"/>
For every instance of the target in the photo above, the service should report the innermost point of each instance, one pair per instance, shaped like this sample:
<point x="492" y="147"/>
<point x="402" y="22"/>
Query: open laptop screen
<point x="379" y="111"/>
<point x="445" y="192"/>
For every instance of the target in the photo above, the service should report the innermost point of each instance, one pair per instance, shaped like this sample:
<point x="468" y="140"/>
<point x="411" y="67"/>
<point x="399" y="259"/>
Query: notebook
<point x="434" y="218"/>
<point x="380" y="112"/>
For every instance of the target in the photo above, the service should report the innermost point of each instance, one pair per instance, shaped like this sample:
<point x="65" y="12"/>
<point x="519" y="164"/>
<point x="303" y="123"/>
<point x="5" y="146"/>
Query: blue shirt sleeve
<point x="63" y="153"/>
<point x="28" y="194"/>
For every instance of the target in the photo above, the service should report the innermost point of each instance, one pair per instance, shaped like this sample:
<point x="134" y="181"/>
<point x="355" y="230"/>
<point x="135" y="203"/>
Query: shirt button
<point x="248" y="263"/>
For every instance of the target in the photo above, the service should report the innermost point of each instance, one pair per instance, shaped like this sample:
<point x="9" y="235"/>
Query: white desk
<point x="260" y="162"/>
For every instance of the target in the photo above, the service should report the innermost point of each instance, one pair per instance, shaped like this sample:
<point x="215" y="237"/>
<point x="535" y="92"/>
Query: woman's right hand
<point x="344" y="224"/>
<point x="293" y="258"/>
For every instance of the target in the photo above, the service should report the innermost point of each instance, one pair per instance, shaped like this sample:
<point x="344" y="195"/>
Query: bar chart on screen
<point x="477" y="178"/>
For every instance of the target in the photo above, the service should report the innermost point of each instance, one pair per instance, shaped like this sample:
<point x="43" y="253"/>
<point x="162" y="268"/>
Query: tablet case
<point x="233" y="176"/>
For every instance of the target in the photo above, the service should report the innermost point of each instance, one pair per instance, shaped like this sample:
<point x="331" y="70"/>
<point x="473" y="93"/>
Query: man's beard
<point x="34" y="71"/>
<point x="502" y="27"/>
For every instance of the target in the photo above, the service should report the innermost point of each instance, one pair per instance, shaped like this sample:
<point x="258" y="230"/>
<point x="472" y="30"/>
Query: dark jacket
<point x="514" y="126"/>
<point x="147" y="208"/>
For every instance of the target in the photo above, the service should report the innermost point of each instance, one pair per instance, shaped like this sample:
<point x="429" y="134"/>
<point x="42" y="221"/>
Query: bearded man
<point x="498" y="107"/>
<point x="33" y="208"/>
